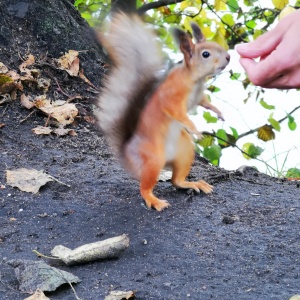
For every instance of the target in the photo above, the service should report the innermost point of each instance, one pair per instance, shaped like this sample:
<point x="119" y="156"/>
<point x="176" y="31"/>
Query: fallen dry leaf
<point x="27" y="180"/>
<point x="2" y="125"/>
<point x="120" y="295"/>
<point x="39" y="130"/>
<point x="33" y="275"/>
<point x="3" y="68"/>
<point x="64" y="131"/>
<point x="108" y="248"/>
<point x="69" y="62"/>
<point x="63" y="113"/>
<point x="28" y="62"/>
<point x="165" y="175"/>
<point x="38" y="295"/>
<point x="26" y="102"/>
<point x="82" y="76"/>
<point x="42" y="130"/>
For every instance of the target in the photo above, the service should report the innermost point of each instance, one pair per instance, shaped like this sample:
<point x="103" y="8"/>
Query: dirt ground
<point x="241" y="242"/>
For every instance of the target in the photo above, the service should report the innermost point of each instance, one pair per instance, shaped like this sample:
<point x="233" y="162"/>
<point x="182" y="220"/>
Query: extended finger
<point x="265" y="71"/>
<point x="262" y="46"/>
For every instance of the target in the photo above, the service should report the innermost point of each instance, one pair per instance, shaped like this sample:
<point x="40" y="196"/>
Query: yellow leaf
<point x="220" y="5"/>
<point x="286" y="11"/>
<point x="266" y="133"/>
<point x="185" y="4"/>
<point x="280" y="4"/>
<point x="220" y="39"/>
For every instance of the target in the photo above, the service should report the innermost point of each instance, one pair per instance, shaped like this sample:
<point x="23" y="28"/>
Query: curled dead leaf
<point x="42" y="130"/>
<point x="266" y="133"/>
<point x="28" y="62"/>
<point x="37" y="274"/>
<point x="69" y="62"/>
<point x="108" y="248"/>
<point x="120" y="295"/>
<point x="63" y="113"/>
<point x="6" y="98"/>
<point x="26" y="102"/>
<point x="3" y="68"/>
<point x="38" y="295"/>
<point x="27" y="180"/>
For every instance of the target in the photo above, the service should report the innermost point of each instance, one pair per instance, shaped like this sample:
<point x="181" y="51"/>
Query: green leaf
<point x="206" y="141"/>
<point x="209" y="118"/>
<point x="251" y="151"/>
<point x="266" y="105"/>
<point x="213" y="89"/>
<point x="86" y="15"/>
<point x="234" y="76"/>
<point x="213" y="154"/>
<point x="222" y="137"/>
<point x="251" y="24"/>
<point x="95" y="7"/>
<point x="293" y="173"/>
<point x="228" y="19"/>
<point x="233" y="5"/>
<point x="234" y="133"/>
<point x="77" y="2"/>
<point x="274" y="123"/>
<point x="291" y="123"/>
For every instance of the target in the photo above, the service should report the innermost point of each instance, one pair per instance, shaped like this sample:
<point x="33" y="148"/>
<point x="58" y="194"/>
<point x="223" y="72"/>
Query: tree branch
<point x="156" y="4"/>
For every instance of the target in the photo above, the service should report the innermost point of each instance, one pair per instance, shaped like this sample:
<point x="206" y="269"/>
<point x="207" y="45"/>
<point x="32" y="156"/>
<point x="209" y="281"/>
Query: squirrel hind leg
<point x="182" y="164"/>
<point x="148" y="179"/>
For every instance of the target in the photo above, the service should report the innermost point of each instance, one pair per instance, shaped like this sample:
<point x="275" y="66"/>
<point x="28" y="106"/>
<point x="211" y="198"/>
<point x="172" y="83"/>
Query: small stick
<point x="27" y="117"/>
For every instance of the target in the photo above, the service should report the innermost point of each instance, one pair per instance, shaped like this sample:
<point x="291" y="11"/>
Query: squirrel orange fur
<point x="145" y="118"/>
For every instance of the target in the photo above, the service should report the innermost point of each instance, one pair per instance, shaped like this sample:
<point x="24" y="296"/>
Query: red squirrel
<point x="145" y="118"/>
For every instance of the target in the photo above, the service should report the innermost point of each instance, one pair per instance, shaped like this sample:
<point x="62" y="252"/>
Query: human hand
<point x="279" y="53"/>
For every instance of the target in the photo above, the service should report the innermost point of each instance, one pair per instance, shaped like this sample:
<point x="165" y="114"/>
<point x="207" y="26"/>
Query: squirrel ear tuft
<point x="185" y="43"/>
<point x="197" y="33"/>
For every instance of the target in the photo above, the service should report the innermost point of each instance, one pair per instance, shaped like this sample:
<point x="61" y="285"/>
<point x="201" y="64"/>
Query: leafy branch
<point x="157" y="4"/>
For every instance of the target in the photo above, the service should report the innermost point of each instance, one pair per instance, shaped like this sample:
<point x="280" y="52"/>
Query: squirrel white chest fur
<point x="175" y="127"/>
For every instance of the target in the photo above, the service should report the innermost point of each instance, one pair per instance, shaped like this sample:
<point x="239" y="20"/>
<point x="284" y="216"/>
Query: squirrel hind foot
<point x="204" y="186"/>
<point x="157" y="204"/>
<point x="196" y="186"/>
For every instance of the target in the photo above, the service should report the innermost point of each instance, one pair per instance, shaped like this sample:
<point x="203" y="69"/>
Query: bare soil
<point x="240" y="242"/>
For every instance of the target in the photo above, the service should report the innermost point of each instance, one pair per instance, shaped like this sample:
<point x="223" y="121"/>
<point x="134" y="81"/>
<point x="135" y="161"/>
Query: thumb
<point x="262" y="46"/>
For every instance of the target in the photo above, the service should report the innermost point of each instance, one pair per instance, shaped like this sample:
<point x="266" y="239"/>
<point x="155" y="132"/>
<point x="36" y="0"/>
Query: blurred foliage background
<point x="227" y="22"/>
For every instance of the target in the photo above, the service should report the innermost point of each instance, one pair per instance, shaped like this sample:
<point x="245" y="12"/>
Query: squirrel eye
<point x="205" y="54"/>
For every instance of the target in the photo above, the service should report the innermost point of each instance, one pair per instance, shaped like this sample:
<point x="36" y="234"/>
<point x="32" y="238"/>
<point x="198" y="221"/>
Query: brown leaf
<point x="3" y="68"/>
<point x="38" y="295"/>
<point x="69" y="62"/>
<point x="42" y="130"/>
<point x="25" y="101"/>
<point x="266" y="133"/>
<point x="27" y="180"/>
<point x="28" y="62"/>
<point x="120" y="295"/>
<point x="62" y="111"/>
<point x="82" y="76"/>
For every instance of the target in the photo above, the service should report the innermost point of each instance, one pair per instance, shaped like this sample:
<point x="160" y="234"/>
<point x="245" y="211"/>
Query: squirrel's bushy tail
<point x="137" y="61"/>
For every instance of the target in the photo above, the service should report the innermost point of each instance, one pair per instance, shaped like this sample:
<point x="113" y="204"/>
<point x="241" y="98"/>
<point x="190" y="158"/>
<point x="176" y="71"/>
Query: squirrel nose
<point x="228" y="57"/>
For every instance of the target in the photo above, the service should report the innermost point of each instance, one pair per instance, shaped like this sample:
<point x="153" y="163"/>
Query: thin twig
<point x="31" y="113"/>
